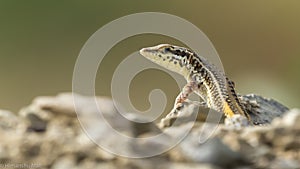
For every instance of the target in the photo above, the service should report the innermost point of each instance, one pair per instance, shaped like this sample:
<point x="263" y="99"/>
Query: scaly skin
<point x="203" y="78"/>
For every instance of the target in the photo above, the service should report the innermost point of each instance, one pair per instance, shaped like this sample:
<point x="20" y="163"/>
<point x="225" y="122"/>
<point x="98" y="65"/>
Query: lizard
<point x="203" y="78"/>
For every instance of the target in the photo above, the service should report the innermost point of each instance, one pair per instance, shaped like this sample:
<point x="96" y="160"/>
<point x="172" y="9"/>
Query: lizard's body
<point x="202" y="77"/>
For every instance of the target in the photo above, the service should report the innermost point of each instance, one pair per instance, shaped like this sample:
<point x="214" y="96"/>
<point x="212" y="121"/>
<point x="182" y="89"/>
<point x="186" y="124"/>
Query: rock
<point x="290" y="119"/>
<point x="139" y="128"/>
<point x="92" y="164"/>
<point x="262" y="110"/>
<point x="36" y="123"/>
<point x="213" y="152"/>
<point x="237" y="121"/>
<point x="273" y="146"/>
<point x="8" y="120"/>
<point x="3" y="153"/>
<point x="188" y="166"/>
<point x="64" y="162"/>
<point x="284" y="163"/>
<point x="52" y="133"/>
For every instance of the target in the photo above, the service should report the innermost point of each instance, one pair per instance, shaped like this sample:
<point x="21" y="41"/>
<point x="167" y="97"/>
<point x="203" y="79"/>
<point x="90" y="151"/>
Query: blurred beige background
<point x="258" y="43"/>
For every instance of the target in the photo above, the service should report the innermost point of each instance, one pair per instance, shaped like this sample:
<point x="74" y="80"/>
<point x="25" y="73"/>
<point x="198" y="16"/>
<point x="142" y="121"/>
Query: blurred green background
<point x="258" y="42"/>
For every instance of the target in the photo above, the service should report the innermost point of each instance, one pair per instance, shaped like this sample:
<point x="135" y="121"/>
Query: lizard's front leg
<point x="180" y="102"/>
<point x="181" y="99"/>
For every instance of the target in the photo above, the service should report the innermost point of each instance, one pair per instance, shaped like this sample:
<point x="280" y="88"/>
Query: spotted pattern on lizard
<point x="203" y="78"/>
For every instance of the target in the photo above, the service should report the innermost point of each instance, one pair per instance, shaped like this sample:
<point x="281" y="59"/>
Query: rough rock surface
<point x="48" y="134"/>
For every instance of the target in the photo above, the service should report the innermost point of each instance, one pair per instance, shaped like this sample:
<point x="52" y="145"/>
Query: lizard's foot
<point x="237" y="121"/>
<point x="184" y="110"/>
<point x="175" y="112"/>
<point x="173" y="115"/>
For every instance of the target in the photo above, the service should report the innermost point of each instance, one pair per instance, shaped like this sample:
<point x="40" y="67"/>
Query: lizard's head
<point x="171" y="57"/>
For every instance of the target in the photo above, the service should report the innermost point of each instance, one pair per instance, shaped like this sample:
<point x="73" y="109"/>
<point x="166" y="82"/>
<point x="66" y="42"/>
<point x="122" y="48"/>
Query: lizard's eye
<point x="167" y="49"/>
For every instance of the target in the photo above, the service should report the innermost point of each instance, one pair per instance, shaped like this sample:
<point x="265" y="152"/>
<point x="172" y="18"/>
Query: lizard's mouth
<point x="154" y="50"/>
<point x="146" y="52"/>
<point x="143" y="51"/>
